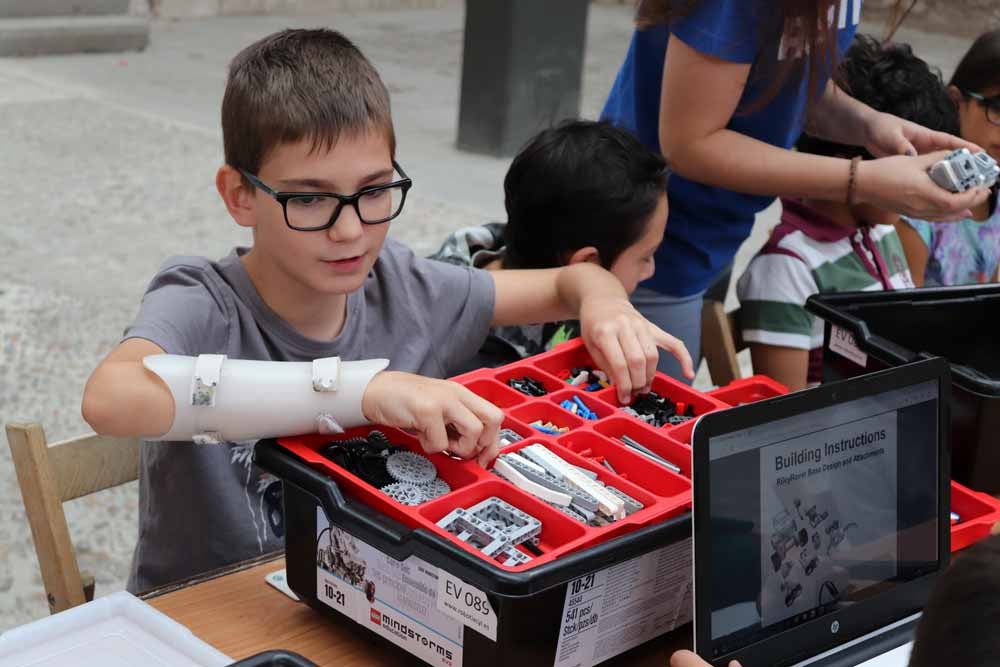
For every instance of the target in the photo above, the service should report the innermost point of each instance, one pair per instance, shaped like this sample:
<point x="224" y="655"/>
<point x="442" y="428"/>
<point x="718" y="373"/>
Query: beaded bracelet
<point x="852" y="181"/>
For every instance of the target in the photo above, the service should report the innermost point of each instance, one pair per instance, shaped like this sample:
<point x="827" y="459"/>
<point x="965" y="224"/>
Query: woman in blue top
<point x="724" y="88"/>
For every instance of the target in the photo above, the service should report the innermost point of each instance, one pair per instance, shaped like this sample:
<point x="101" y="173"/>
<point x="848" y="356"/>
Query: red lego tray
<point x="585" y="443"/>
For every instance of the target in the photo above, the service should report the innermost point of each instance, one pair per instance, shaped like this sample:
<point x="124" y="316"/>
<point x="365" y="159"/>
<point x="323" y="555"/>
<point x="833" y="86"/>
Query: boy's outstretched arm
<point x="123" y="397"/>
<point x="623" y="343"/>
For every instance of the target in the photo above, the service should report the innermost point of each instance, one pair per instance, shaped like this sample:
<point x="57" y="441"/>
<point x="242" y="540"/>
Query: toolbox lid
<point x="961" y="324"/>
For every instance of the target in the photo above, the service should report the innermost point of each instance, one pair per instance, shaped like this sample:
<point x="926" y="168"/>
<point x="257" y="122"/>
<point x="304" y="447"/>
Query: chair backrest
<point x="49" y="475"/>
<point x="721" y="340"/>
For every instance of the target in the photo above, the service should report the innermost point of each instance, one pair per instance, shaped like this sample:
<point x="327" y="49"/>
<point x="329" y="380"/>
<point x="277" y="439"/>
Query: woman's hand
<point x="887" y="135"/>
<point x="902" y="184"/>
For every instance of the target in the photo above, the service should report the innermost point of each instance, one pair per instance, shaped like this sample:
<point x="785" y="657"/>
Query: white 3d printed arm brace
<point x="218" y="399"/>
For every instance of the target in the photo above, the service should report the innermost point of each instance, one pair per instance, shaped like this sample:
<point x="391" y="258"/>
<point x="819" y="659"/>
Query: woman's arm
<point x="694" y="138"/>
<point x="838" y="117"/>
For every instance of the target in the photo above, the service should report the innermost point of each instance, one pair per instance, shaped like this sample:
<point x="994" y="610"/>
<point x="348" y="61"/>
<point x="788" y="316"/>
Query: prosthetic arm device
<point x="217" y="399"/>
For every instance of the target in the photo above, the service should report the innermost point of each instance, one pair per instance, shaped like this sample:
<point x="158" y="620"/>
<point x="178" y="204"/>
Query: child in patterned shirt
<point x="966" y="251"/>
<point x="822" y="246"/>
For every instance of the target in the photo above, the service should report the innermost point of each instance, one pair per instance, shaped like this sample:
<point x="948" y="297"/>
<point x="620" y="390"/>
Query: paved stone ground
<point x="106" y="169"/>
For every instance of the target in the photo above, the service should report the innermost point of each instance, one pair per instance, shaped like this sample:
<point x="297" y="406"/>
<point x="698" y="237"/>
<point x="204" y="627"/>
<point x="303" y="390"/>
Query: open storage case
<point x="581" y="593"/>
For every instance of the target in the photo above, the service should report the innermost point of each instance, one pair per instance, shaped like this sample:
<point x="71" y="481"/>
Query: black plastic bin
<point x="534" y="610"/>
<point x="275" y="659"/>
<point x="867" y="331"/>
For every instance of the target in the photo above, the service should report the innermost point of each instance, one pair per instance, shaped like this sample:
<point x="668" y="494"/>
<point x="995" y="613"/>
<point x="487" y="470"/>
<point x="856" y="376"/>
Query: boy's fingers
<point x="467" y="426"/>
<point x="652" y="358"/>
<point x="677" y="348"/>
<point x="432" y="433"/>
<point x="617" y="369"/>
<point x="635" y="358"/>
<point x="491" y="419"/>
<point x="488" y="453"/>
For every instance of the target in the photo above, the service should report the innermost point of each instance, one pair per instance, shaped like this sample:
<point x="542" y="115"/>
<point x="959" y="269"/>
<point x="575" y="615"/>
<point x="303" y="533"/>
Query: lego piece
<point x="405" y="493"/>
<point x="642" y="450"/>
<point x="547" y="427"/>
<point x="631" y="504"/>
<point x="539" y="475"/>
<point x="508" y="472"/>
<point x="961" y="171"/>
<point x="571" y="513"/>
<point x="411" y="468"/>
<point x="470" y="529"/>
<point x="608" y="504"/>
<point x="513" y="557"/>
<point x="509" y="437"/>
<point x="436" y="488"/>
<point x="527" y="385"/>
<point x="520" y="525"/>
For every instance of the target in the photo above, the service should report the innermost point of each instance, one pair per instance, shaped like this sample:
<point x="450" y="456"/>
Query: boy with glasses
<point x="286" y="337"/>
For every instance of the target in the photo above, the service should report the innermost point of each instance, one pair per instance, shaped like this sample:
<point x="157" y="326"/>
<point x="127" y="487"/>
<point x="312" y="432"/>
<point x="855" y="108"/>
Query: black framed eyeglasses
<point x="991" y="105"/>
<point x="316" y="211"/>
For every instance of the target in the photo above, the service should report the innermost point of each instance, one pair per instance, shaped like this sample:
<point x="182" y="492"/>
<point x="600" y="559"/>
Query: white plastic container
<point x="116" y="630"/>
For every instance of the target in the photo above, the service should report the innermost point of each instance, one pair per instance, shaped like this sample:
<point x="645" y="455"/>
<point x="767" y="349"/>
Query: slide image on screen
<point x="829" y="516"/>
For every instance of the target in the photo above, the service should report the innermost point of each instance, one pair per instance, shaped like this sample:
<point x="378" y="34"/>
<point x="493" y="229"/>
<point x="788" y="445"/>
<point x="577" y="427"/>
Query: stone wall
<point x="193" y="8"/>
<point x="967" y="18"/>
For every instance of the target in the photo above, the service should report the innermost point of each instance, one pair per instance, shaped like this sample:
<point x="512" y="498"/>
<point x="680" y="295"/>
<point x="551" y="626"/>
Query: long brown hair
<point x="812" y="17"/>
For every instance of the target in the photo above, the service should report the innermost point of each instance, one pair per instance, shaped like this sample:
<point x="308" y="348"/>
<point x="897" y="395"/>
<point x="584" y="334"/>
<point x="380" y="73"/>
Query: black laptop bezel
<point x="815" y="637"/>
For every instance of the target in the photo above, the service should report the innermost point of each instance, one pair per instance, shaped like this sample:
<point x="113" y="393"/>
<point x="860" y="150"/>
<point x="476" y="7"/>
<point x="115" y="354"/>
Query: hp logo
<point x="835" y="627"/>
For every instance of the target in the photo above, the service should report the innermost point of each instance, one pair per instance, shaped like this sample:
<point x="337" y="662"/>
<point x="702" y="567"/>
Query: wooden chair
<point x="49" y="475"/>
<point x="721" y="340"/>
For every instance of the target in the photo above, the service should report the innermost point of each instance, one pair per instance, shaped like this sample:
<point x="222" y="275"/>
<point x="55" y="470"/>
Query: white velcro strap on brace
<point x="207" y="372"/>
<point x="217" y="399"/>
<point x="326" y="374"/>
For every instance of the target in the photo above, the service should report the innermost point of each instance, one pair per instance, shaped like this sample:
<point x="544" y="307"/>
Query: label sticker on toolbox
<point x="466" y="604"/>
<point x="616" y="609"/>
<point x="842" y="342"/>
<point x="394" y="599"/>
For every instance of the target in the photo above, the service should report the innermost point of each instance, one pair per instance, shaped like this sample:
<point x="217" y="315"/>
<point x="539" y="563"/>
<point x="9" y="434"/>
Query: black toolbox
<point x="868" y="331"/>
<point x="345" y="558"/>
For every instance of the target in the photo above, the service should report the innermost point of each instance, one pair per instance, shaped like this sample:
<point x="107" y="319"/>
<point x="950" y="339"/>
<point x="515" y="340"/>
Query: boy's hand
<point x="689" y="659"/>
<point x="624" y="344"/>
<point x="445" y="416"/>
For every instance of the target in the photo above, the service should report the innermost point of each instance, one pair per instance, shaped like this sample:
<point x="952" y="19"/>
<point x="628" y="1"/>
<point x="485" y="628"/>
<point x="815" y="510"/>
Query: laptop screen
<point x="816" y="512"/>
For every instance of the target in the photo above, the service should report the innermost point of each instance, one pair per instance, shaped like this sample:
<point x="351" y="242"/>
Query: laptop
<point x="821" y="521"/>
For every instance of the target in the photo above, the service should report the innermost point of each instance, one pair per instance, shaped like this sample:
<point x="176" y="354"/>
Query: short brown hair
<point x="300" y="84"/>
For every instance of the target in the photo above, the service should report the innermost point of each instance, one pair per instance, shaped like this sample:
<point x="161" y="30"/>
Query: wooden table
<point x="237" y="612"/>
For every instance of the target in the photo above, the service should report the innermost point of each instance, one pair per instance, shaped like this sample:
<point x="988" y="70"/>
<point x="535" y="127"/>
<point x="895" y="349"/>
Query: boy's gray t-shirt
<point x="204" y="506"/>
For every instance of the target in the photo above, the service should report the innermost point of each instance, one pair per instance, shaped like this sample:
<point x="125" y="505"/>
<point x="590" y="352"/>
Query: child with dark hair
<point x="959" y="620"/>
<point x="959" y="623"/>
<point x="828" y="246"/>
<point x="581" y="192"/>
<point x="966" y="251"/>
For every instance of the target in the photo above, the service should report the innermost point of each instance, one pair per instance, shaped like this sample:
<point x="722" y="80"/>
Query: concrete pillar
<point x="521" y="70"/>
